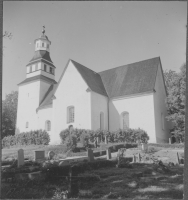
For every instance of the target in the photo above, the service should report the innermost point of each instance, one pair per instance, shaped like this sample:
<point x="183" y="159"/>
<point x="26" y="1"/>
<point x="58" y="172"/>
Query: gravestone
<point x="51" y="154"/>
<point x="169" y="140"/>
<point x="134" y="159"/>
<point x="108" y="154"/>
<point x="106" y="139"/>
<point x="144" y="147"/>
<point x="90" y="155"/>
<point x="39" y="155"/>
<point x="178" y="159"/>
<point x="20" y="157"/>
<point x="139" y="157"/>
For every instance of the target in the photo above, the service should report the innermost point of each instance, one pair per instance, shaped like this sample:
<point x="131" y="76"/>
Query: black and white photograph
<point x="93" y="99"/>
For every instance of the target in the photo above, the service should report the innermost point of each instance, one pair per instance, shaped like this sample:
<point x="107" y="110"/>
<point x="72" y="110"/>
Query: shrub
<point x="36" y="137"/>
<point x="118" y="136"/>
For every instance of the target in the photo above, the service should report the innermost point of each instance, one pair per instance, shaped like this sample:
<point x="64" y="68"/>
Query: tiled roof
<point x="131" y="79"/>
<point x="41" y="54"/>
<point x="128" y="80"/>
<point x="47" y="100"/>
<point x="37" y="78"/>
<point x="92" y="79"/>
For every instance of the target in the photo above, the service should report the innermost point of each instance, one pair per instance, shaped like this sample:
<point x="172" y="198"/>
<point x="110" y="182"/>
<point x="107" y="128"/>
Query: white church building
<point x="131" y="96"/>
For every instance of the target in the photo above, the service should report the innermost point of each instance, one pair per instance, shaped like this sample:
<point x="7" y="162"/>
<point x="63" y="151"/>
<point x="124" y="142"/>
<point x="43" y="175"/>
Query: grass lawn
<point x="107" y="183"/>
<point x="143" y="181"/>
<point x="125" y="183"/>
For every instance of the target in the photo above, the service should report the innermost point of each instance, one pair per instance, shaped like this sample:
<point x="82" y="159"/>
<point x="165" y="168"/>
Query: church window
<point x="37" y="45"/>
<point x="42" y="44"/>
<point x="48" y="125"/>
<point x="31" y="68"/>
<point x="125" y="120"/>
<point x="70" y="114"/>
<point x="44" y="67"/>
<point x="36" y="66"/>
<point x="27" y="124"/>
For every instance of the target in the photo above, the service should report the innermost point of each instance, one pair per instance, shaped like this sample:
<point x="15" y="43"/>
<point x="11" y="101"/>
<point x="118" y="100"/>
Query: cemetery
<point x="121" y="170"/>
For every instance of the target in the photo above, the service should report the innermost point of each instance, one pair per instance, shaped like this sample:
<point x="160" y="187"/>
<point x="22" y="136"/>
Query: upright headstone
<point x="51" y="154"/>
<point x="134" y="159"/>
<point x="98" y="140"/>
<point x="169" y="140"/>
<point x="139" y="157"/>
<point x="178" y="159"/>
<point x="20" y="157"/>
<point x="108" y="154"/>
<point x="39" y="155"/>
<point x="73" y="182"/>
<point x="106" y="139"/>
<point x="90" y="155"/>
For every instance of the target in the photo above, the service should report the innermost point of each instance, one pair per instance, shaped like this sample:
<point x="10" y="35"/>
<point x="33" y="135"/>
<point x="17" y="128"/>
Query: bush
<point x="36" y="137"/>
<point x="84" y="136"/>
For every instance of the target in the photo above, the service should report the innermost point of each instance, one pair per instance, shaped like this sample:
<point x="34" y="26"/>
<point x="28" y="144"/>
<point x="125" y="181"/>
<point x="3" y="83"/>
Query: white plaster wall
<point x="28" y="101"/>
<point x="160" y="107"/>
<point x="71" y="92"/>
<point x="40" y="72"/>
<point x="99" y="104"/>
<point x="30" y="95"/>
<point x="39" y="42"/>
<point x="44" y="115"/>
<point x="141" y="113"/>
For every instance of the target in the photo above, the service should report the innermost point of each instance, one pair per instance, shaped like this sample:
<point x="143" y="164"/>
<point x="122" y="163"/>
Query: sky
<point x="99" y="35"/>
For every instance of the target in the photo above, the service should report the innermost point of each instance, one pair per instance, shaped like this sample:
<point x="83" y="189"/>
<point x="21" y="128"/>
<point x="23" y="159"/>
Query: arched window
<point x="70" y="114"/>
<point x="125" y="120"/>
<point x="101" y="120"/>
<point x="27" y="125"/>
<point x="48" y="125"/>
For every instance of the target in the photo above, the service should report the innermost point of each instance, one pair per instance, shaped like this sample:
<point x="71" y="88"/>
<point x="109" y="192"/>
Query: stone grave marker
<point x="108" y="154"/>
<point x="39" y="155"/>
<point x="178" y="159"/>
<point x="106" y="139"/>
<point x="51" y="154"/>
<point x="139" y="157"/>
<point x="20" y="157"/>
<point x="90" y="155"/>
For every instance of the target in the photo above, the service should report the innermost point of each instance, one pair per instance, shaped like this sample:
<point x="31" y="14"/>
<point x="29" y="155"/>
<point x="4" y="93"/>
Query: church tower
<point x="40" y="75"/>
<point x="41" y="63"/>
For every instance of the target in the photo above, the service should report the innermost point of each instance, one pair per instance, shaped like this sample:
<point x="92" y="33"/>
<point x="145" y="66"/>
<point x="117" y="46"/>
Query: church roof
<point x="126" y="80"/>
<point x="37" y="78"/>
<point x="92" y="78"/>
<point x="47" y="100"/>
<point x="41" y="54"/>
<point x="131" y="79"/>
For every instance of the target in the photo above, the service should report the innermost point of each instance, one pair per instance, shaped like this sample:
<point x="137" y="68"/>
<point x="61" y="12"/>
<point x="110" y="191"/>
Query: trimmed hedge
<point x="129" y="135"/>
<point x="36" y="137"/>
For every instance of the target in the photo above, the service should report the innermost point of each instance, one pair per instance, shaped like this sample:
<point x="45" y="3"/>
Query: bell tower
<point x="40" y="77"/>
<point x="41" y="63"/>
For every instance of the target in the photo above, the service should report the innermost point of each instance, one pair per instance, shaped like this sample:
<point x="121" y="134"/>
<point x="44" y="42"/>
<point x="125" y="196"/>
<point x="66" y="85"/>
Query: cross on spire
<point x="43" y="31"/>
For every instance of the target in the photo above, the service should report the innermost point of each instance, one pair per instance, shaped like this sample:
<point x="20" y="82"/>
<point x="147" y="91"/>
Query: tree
<point x="176" y="89"/>
<point x="9" y="114"/>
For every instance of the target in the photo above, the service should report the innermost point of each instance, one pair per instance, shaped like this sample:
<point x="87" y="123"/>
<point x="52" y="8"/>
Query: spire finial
<point x="43" y="31"/>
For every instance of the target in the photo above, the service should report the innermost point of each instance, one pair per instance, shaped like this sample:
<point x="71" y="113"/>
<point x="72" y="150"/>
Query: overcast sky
<point x="99" y="35"/>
